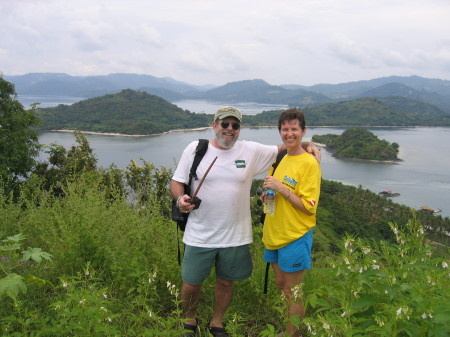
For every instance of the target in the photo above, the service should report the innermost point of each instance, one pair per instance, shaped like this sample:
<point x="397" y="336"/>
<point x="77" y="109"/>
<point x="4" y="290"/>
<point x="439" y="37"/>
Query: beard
<point x="225" y="142"/>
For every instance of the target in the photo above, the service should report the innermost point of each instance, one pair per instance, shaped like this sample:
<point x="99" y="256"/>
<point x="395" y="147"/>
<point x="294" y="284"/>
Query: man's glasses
<point x="234" y="125"/>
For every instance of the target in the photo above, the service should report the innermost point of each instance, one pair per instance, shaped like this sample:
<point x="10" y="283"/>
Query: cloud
<point x="215" y="42"/>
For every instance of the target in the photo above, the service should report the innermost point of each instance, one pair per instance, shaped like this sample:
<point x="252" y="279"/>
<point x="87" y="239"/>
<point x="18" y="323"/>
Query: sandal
<point x="218" y="332"/>
<point x="191" y="330"/>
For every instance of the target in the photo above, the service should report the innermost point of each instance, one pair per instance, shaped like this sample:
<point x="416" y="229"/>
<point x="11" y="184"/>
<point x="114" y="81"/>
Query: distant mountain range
<point x="435" y="92"/>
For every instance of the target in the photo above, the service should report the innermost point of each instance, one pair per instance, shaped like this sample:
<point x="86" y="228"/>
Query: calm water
<point x="422" y="178"/>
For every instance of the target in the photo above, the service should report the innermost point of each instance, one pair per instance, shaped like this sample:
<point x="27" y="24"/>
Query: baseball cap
<point x="228" y="111"/>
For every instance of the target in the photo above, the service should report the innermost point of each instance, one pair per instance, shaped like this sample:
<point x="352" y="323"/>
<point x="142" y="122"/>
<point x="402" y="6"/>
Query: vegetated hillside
<point x="128" y="112"/>
<point x="385" y="111"/>
<point x="260" y="91"/>
<point x="358" y="143"/>
<point x="402" y="90"/>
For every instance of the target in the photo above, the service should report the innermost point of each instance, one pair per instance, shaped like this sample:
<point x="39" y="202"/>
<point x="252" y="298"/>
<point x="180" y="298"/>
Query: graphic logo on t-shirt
<point x="240" y="163"/>
<point x="291" y="182"/>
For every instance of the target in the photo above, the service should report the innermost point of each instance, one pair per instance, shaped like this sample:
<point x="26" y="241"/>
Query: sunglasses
<point x="234" y="125"/>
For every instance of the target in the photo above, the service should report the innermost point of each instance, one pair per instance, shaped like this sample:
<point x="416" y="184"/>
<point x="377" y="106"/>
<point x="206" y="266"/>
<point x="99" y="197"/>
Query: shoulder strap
<point x="199" y="153"/>
<point x="277" y="161"/>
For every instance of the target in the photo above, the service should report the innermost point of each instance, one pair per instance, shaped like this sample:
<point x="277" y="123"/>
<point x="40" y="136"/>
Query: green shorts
<point x="231" y="263"/>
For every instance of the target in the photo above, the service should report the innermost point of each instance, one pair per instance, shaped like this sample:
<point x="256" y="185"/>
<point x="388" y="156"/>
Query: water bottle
<point x="269" y="201"/>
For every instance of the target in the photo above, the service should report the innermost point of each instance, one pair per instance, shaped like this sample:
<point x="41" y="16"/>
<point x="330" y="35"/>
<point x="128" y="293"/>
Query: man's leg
<point x="190" y="297"/>
<point x="223" y="294"/>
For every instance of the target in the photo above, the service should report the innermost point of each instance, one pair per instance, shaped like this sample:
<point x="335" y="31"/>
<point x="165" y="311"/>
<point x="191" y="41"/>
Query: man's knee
<point x="224" y="284"/>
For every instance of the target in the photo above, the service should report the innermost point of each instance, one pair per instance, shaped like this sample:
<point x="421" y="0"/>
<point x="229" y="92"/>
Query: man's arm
<point x="177" y="192"/>
<point x="309" y="147"/>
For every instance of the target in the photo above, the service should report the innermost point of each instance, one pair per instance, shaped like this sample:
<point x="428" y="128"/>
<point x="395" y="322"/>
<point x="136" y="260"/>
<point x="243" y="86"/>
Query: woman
<point x="287" y="233"/>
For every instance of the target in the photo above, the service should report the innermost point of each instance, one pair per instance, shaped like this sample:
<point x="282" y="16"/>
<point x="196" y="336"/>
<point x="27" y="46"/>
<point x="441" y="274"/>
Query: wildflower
<point x="375" y="266"/>
<point x="82" y="301"/>
<point x="104" y="309"/>
<point x="444" y="265"/>
<point x="108" y="319"/>
<point x="149" y="313"/>
<point x="395" y="230"/>
<point x="386" y="292"/>
<point x="64" y="284"/>
<point x="424" y="316"/>
<point x="399" y="311"/>
<point x="344" y="314"/>
<point x="361" y="270"/>
<point x="152" y="277"/>
<point x="366" y="250"/>
<point x="104" y="295"/>
<point x="326" y="326"/>
<point x="57" y="307"/>
<point x="346" y="261"/>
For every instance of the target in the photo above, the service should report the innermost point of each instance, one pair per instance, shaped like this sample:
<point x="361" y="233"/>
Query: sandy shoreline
<point x="209" y="127"/>
<point x="124" y="134"/>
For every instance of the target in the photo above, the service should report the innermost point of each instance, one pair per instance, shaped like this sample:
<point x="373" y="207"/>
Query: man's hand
<point x="314" y="150"/>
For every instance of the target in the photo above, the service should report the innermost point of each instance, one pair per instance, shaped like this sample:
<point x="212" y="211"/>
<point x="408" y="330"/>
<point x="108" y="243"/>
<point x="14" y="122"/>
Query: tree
<point x="18" y="140"/>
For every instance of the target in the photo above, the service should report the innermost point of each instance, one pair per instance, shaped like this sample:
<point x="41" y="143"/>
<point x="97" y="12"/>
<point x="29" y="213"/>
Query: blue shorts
<point x="293" y="257"/>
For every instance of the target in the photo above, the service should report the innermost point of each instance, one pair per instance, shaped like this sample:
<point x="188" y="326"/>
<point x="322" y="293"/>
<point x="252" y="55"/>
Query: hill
<point x="128" y="112"/>
<point x="358" y="143"/>
<point x="136" y="112"/>
<point x="386" y="111"/>
<point x="260" y="91"/>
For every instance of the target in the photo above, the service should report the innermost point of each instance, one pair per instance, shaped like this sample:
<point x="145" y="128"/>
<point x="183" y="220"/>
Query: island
<point x="358" y="143"/>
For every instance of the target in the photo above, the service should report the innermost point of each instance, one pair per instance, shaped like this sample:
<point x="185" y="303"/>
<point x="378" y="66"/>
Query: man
<point x="219" y="231"/>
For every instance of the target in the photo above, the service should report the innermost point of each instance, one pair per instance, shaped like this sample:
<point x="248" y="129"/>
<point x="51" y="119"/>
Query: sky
<point x="214" y="42"/>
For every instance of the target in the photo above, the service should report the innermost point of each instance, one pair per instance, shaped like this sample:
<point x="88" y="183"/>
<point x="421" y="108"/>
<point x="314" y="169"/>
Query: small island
<point x="359" y="143"/>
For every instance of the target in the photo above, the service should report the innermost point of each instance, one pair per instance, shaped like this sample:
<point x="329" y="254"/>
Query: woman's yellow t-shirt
<point x="302" y="175"/>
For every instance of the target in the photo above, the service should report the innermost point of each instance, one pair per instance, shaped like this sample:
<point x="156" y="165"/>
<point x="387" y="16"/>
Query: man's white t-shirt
<point x="223" y="218"/>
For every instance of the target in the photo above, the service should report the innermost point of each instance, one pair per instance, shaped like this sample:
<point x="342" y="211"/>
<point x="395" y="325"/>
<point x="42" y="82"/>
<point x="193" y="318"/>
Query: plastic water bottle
<point x="269" y="201"/>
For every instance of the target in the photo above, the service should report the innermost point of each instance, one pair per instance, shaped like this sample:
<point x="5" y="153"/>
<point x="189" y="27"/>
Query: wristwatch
<point x="178" y="201"/>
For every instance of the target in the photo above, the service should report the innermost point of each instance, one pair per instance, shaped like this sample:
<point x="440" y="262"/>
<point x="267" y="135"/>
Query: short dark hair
<point x="290" y="114"/>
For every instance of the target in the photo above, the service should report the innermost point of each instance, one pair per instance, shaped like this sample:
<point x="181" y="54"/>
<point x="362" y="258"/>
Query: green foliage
<point x="18" y="140"/>
<point x="114" y="260"/>
<point x="358" y="143"/>
<point x="378" y="289"/>
<point x="127" y="112"/>
<point x="13" y="284"/>
<point x="368" y="111"/>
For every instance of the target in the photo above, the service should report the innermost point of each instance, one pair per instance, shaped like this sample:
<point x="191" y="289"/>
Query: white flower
<point x="444" y="265"/>
<point x="108" y="319"/>
<point x="361" y="270"/>
<point x="64" y="284"/>
<point x="375" y="266"/>
<point x="150" y="314"/>
<point x="104" y="295"/>
<point x="326" y="326"/>
<point x="104" y="309"/>
<point x="366" y="250"/>
<point x="346" y="261"/>
<point x="82" y="301"/>
<point x="399" y="311"/>
<point x="424" y="315"/>
<point x="344" y="314"/>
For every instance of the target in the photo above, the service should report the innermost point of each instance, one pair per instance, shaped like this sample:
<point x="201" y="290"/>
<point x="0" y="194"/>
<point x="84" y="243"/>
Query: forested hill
<point x="368" y="111"/>
<point x="127" y="112"/>
<point x="358" y="143"/>
<point x="137" y="112"/>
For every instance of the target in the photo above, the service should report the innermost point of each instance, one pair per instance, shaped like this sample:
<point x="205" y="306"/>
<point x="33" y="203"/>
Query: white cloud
<point x="203" y="41"/>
